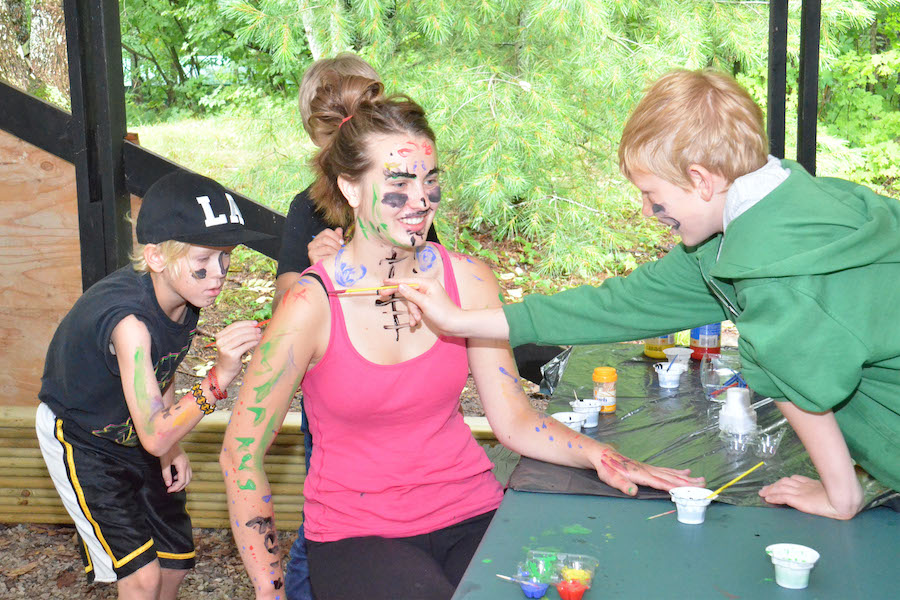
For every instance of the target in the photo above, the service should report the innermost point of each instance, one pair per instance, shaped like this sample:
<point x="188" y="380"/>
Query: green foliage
<point x="527" y="98"/>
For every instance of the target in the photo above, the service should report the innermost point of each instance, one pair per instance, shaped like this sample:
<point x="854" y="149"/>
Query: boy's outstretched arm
<point x="838" y="495"/>
<point x="430" y="302"/>
<point x="160" y="422"/>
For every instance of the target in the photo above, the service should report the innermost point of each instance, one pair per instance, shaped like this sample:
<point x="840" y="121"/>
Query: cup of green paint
<point x="793" y="563"/>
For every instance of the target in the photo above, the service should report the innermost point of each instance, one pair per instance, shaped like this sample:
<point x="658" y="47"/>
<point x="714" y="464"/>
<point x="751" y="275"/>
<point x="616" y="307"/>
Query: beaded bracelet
<point x="205" y="406"/>
<point x="217" y="392"/>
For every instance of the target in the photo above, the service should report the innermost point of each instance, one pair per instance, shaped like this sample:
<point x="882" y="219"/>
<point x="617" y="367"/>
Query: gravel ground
<point x="41" y="561"/>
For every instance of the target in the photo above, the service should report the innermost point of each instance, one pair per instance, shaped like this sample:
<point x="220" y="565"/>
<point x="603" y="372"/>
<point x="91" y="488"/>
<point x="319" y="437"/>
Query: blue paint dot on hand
<point x="551" y="438"/>
<point x="538" y="429"/>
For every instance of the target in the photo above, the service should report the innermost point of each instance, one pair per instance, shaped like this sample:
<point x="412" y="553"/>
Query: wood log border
<point x="27" y="494"/>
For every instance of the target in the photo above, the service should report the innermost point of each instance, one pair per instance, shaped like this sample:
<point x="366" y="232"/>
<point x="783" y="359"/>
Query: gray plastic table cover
<point x="672" y="428"/>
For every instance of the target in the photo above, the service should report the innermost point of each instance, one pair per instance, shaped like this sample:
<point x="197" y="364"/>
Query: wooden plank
<point x="40" y="268"/>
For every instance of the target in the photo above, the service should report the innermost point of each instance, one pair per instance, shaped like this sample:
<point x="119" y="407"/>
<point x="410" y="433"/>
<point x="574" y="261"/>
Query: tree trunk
<point x="315" y="46"/>
<point x="13" y="67"/>
<point x="49" y="60"/>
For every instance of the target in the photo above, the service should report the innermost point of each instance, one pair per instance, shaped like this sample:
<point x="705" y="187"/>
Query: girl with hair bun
<point x="399" y="493"/>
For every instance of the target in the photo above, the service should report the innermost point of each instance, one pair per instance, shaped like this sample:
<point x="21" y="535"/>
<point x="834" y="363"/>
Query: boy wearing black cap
<point x="109" y="423"/>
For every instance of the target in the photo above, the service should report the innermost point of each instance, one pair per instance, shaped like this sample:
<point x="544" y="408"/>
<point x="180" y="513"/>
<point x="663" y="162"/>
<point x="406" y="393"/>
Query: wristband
<point x="197" y="393"/>
<point x="217" y="392"/>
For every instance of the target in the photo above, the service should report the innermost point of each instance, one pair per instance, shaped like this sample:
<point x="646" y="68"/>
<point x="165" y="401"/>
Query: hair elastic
<point x="344" y="120"/>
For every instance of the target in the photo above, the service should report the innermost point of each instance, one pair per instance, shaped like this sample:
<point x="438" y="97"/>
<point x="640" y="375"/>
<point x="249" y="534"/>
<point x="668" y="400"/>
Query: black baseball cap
<point x="191" y="208"/>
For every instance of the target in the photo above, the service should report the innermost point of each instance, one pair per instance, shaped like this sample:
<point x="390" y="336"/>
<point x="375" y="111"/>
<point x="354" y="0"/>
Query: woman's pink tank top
<point x="392" y="455"/>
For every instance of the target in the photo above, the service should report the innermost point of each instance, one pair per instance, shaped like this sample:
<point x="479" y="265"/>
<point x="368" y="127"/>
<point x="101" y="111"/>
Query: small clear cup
<point x="533" y="580"/>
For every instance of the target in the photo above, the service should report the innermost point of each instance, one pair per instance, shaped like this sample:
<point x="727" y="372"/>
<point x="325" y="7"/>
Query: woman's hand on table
<point x="623" y="473"/>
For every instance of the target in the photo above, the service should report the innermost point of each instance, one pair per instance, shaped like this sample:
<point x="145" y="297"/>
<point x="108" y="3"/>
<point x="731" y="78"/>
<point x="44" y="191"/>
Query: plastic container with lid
<point x="605" y="388"/>
<point x="706" y="339"/>
<point x="653" y="347"/>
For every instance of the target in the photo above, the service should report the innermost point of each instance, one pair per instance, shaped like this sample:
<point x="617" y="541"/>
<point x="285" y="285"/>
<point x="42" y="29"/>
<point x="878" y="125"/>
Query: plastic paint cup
<point x="571" y="590"/>
<point x="767" y="443"/>
<point x="793" y="563"/>
<point x="572" y="420"/>
<point x="578" y="567"/>
<point x="588" y="407"/>
<point x="538" y="569"/>
<point x="669" y="373"/>
<point x="534" y="579"/>
<point x="691" y="503"/>
<point x="678" y="354"/>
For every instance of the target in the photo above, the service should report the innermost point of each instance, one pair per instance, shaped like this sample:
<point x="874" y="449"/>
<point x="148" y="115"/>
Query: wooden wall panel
<point x="40" y="261"/>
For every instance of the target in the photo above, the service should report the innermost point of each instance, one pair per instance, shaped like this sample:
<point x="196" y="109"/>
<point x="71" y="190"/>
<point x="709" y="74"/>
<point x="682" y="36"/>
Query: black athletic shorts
<point x="117" y="498"/>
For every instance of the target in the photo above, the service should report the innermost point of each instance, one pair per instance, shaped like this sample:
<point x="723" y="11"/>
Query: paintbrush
<point x="716" y="493"/>
<point x="368" y="289"/>
<point x="260" y="324"/>
<point x="736" y="479"/>
<point x="513" y="579"/>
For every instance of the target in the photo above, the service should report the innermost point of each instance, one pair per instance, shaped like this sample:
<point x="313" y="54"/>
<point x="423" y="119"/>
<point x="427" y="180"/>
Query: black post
<point x="98" y="131"/>
<point x="810" y="23"/>
<point x="777" y="81"/>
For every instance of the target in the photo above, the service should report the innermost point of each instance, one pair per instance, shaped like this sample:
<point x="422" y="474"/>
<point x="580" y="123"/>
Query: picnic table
<point x="562" y="509"/>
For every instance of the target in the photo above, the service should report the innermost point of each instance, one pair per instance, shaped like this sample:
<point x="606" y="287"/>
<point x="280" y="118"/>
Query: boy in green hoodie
<point x="807" y="268"/>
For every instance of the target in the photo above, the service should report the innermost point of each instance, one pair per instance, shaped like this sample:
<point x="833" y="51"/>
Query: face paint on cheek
<point x="395" y="200"/>
<point x="224" y="262"/>
<point x="199" y="274"/>
<point x="659" y="211"/>
<point x="434" y="196"/>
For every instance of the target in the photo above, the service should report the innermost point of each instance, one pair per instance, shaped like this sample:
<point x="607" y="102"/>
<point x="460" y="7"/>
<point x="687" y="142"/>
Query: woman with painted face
<point x="399" y="493"/>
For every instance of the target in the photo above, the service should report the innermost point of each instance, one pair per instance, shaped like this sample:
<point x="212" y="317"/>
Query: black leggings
<point x="421" y="567"/>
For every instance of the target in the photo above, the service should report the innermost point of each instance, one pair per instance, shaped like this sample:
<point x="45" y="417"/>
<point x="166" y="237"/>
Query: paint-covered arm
<point x="838" y="495"/>
<point x="160" y="425"/>
<point x="276" y="369"/>
<point x="520" y="427"/>
<point x="657" y="298"/>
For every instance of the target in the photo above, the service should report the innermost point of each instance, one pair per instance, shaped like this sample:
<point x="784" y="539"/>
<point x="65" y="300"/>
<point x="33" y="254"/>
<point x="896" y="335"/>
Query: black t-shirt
<point x="304" y="223"/>
<point x="81" y="381"/>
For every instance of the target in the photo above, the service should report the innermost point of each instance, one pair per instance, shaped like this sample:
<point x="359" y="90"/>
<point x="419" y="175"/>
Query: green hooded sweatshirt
<point x="810" y="275"/>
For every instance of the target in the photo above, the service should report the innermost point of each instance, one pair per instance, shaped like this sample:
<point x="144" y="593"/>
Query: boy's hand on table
<point x="325" y="244"/>
<point x="232" y="342"/>
<point x="804" y="494"/>
<point x="623" y="473"/>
